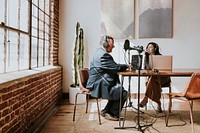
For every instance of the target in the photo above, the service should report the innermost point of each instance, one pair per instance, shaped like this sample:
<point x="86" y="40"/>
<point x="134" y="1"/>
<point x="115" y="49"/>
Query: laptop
<point x="161" y="62"/>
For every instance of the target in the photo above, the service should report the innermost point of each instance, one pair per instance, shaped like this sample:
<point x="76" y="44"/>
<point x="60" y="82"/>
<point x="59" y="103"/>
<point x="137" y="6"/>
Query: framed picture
<point x="155" y="18"/>
<point x="117" y="18"/>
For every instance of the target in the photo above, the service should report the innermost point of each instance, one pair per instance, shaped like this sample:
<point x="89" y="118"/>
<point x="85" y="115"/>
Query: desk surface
<point x="174" y="72"/>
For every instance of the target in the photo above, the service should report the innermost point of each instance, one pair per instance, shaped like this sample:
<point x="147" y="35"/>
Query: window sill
<point x="7" y="77"/>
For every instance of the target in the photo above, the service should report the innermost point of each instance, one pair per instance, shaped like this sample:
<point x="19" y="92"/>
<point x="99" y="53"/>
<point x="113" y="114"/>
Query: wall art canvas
<point x="155" y="18"/>
<point x="117" y="18"/>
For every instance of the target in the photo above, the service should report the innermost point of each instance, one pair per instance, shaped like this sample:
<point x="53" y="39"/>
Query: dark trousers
<point x="112" y="107"/>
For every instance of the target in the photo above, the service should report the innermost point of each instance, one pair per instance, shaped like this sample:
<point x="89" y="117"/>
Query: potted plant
<point x="78" y="62"/>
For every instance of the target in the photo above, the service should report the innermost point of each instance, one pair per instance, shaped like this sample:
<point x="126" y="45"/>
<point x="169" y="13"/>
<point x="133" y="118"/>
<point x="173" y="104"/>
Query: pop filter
<point x="126" y="44"/>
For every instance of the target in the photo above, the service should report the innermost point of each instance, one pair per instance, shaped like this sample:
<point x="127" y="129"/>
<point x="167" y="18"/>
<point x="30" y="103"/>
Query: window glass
<point x="12" y="13"/>
<point x="34" y="52"/>
<point x="35" y="2"/>
<point x="47" y="7"/>
<point x="41" y="15"/>
<point x="41" y="52"/>
<point x="34" y="11"/>
<point x="24" y="15"/>
<point x="16" y="52"/>
<point x="41" y="4"/>
<point x="1" y="50"/>
<point x="24" y="52"/>
<point x="11" y="51"/>
<point x="47" y="19"/>
<point x="46" y="53"/>
<point x="2" y="10"/>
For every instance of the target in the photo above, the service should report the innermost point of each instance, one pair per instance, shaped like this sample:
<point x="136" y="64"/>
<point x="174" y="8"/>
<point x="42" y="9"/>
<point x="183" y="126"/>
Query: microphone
<point x="138" y="48"/>
<point x="126" y="44"/>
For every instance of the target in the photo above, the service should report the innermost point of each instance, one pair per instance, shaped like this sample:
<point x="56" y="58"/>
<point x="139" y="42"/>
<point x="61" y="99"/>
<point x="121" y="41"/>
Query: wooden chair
<point x="83" y="75"/>
<point x="168" y="85"/>
<point x="191" y="92"/>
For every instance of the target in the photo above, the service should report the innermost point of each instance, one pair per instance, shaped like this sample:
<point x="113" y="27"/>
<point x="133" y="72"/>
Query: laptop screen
<point x="161" y="62"/>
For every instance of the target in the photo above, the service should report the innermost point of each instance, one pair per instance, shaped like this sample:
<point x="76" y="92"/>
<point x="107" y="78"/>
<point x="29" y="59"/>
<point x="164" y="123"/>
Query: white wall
<point x="184" y="46"/>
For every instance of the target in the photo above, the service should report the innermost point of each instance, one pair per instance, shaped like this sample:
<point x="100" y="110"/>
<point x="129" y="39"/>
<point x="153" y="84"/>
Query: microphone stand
<point x="130" y="104"/>
<point x="138" y="125"/>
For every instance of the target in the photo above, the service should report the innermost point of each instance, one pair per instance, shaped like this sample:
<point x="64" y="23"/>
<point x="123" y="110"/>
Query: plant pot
<point x="72" y="95"/>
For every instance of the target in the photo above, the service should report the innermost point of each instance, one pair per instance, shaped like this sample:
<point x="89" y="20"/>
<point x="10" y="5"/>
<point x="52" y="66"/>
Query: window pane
<point x="24" y="52"/>
<point x="46" y="53"/>
<point x="41" y="15"/>
<point x="41" y="29"/>
<point x="41" y="50"/>
<point x="24" y="15"/>
<point x="47" y="6"/>
<point x="41" y="34"/>
<point x="41" y="4"/>
<point x="1" y="50"/>
<point x="11" y="51"/>
<point x="46" y="36"/>
<point x="35" y="2"/>
<point x="34" y="53"/>
<point x="35" y="11"/>
<point x="47" y="19"/>
<point x="2" y="10"/>
<point x="34" y="26"/>
<point x="12" y="13"/>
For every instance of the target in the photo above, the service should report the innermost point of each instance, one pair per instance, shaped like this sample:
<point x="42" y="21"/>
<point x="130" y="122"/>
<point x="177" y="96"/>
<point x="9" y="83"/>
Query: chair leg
<point x="87" y="102"/>
<point x="98" y="111"/>
<point x="169" y="111"/>
<point x="191" y="114"/>
<point x="75" y="106"/>
<point x="170" y="99"/>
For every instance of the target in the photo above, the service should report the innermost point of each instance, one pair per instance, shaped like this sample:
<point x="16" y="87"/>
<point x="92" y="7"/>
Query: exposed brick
<point x="2" y="122"/>
<point x="5" y="112"/>
<point x="3" y="105"/>
<point x="16" y="106"/>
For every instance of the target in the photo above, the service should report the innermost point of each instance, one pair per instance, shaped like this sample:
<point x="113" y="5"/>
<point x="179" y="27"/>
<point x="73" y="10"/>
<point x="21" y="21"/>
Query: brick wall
<point x="54" y="32"/>
<point x="24" y="101"/>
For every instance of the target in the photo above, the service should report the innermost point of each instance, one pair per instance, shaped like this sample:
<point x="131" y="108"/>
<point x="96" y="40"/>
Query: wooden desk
<point x="174" y="72"/>
<point x="129" y="74"/>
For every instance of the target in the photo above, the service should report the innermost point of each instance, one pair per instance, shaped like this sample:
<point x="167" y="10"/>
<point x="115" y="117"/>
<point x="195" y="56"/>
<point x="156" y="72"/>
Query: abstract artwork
<point x="117" y="18"/>
<point x="155" y="18"/>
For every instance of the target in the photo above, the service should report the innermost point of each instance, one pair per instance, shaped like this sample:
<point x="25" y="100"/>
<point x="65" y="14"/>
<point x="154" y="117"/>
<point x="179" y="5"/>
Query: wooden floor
<point x="61" y="120"/>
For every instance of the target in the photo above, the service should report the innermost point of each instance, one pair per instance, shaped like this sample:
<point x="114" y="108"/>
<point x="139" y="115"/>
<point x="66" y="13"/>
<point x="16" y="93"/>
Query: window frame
<point x="45" y="39"/>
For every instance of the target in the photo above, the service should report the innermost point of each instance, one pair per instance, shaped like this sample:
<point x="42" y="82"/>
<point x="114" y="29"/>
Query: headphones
<point x="156" y="46"/>
<point x="104" y="41"/>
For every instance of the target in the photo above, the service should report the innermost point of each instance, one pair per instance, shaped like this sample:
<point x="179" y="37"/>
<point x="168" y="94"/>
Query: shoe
<point x="159" y="109"/>
<point x="143" y="102"/>
<point x="103" y="113"/>
<point x="110" y="117"/>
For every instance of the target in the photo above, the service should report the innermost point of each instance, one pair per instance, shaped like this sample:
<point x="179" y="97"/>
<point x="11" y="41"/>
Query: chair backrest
<point x="83" y="75"/>
<point x="192" y="91"/>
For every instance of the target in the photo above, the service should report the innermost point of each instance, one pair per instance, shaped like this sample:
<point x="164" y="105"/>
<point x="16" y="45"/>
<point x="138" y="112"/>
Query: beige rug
<point x="179" y="123"/>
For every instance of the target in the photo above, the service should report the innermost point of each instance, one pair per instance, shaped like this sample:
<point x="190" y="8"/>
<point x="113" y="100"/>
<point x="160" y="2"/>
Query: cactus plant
<point x="78" y="53"/>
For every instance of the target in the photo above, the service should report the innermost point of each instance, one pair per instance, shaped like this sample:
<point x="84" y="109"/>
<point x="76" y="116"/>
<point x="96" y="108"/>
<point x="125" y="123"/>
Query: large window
<point x="24" y="34"/>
